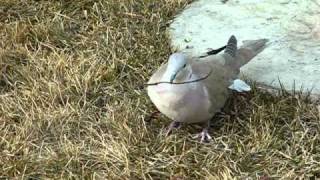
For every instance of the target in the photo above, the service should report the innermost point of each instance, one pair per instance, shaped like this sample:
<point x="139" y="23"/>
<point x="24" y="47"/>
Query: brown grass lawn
<point x="72" y="104"/>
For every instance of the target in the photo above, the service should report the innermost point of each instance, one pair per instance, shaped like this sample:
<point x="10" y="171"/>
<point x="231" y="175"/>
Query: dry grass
<point x="72" y="106"/>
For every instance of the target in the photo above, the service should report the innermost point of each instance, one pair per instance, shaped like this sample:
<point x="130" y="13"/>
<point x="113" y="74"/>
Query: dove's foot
<point x="203" y="136"/>
<point x="172" y="126"/>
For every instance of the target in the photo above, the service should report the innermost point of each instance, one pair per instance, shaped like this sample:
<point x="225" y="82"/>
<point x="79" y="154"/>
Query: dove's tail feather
<point x="249" y="50"/>
<point x="231" y="47"/>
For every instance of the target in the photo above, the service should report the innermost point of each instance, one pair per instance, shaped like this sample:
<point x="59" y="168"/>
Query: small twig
<point x="213" y="52"/>
<point x="133" y="15"/>
<point x="185" y="82"/>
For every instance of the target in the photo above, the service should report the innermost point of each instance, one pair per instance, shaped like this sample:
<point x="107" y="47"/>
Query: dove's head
<point x="177" y="61"/>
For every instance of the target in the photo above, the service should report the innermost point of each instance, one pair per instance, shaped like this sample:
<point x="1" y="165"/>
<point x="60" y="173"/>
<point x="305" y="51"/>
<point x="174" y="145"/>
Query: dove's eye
<point x="184" y="65"/>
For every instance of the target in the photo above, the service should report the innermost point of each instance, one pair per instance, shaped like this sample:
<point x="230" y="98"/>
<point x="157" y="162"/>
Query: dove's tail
<point x="249" y="50"/>
<point x="231" y="47"/>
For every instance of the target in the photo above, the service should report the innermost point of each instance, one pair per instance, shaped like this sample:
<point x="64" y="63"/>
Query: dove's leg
<point x="204" y="135"/>
<point x="173" y="125"/>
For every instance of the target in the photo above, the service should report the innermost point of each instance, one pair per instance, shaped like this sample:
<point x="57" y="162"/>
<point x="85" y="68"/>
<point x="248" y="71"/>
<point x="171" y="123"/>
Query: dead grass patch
<point x="71" y="103"/>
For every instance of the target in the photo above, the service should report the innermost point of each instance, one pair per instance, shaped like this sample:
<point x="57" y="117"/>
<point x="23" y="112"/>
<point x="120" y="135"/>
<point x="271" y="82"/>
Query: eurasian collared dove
<point x="192" y="90"/>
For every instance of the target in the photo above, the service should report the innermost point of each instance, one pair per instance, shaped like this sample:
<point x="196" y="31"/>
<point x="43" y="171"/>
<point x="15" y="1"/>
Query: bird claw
<point x="167" y="132"/>
<point x="203" y="136"/>
<point x="173" y="125"/>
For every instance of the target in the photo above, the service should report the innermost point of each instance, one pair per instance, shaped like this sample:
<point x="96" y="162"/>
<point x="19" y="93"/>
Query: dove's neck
<point x="181" y="75"/>
<point x="170" y="72"/>
<point x="166" y="77"/>
<point x="177" y="91"/>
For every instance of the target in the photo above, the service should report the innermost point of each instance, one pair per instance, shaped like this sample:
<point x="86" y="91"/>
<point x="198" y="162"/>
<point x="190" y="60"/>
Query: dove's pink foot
<point x="172" y="126"/>
<point x="204" y="135"/>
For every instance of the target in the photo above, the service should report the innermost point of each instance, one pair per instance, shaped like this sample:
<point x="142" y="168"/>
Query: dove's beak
<point x="173" y="77"/>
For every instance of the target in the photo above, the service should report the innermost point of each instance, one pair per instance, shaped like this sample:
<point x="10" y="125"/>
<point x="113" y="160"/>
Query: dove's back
<point x="217" y="83"/>
<point x="199" y="101"/>
<point x="225" y="69"/>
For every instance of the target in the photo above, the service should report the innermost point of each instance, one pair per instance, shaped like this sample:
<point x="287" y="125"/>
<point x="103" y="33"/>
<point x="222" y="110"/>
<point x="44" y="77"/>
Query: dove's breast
<point x="183" y="103"/>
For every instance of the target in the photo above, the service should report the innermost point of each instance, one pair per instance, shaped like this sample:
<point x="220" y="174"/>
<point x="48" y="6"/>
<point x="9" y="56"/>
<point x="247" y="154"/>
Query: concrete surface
<point x="293" y="28"/>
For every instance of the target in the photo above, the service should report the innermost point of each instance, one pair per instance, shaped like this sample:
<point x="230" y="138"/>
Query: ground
<point x="73" y="105"/>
